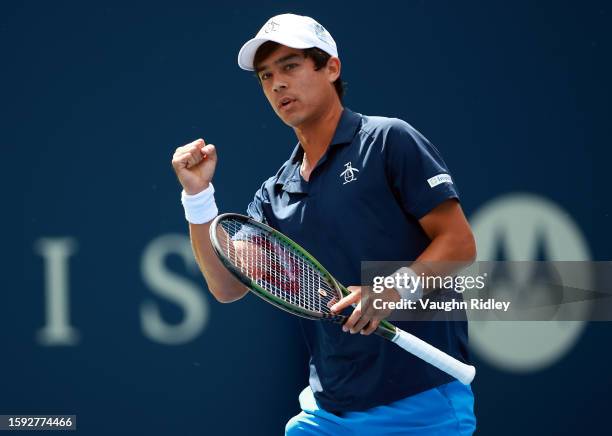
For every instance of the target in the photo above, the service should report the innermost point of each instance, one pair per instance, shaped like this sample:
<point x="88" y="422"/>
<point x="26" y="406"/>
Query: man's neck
<point x="316" y="136"/>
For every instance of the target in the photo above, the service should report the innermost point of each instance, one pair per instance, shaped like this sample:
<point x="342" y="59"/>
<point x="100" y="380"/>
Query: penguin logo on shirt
<point x="349" y="173"/>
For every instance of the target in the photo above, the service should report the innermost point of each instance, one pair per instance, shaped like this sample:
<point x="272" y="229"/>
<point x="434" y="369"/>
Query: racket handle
<point x="438" y="358"/>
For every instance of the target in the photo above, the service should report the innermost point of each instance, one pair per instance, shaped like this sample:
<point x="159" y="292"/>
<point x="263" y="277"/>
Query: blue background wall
<point x="96" y="97"/>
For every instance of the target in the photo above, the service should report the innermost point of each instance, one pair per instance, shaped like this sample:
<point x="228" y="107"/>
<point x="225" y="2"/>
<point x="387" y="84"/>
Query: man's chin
<point x="293" y="119"/>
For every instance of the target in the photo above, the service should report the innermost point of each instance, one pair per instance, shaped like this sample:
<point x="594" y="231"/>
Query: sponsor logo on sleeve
<point x="439" y="179"/>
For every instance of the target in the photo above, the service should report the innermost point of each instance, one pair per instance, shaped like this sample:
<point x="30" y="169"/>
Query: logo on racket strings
<point x="275" y="266"/>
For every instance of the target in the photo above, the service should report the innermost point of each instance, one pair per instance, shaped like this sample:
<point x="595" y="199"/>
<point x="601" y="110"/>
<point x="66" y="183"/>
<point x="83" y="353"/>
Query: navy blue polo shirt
<point x="363" y="200"/>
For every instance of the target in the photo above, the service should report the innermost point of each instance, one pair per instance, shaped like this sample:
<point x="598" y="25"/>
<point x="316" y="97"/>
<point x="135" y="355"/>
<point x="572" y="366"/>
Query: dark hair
<point x="318" y="56"/>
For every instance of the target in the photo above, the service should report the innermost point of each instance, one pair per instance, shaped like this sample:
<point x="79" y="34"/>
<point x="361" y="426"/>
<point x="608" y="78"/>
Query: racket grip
<point x="432" y="355"/>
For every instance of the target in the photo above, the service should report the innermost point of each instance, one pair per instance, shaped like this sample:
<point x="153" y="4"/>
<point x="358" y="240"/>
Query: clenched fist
<point x="194" y="165"/>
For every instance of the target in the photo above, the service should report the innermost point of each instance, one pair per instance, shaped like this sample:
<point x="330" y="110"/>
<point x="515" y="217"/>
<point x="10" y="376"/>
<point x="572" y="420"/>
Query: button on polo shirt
<point x="363" y="200"/>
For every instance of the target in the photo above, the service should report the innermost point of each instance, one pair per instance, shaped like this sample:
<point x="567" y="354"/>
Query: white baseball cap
<point x="295" y="31"/>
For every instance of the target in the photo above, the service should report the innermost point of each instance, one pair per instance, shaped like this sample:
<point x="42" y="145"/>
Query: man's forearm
<point x="221" y="283"/>
<point x="446" y="255"/>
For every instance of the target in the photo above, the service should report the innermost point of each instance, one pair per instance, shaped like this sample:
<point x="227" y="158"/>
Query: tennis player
<point x="355" y="188"/>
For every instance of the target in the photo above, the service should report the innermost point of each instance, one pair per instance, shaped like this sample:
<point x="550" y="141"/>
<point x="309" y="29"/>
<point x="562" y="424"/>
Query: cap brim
<point x="246" y="54"/>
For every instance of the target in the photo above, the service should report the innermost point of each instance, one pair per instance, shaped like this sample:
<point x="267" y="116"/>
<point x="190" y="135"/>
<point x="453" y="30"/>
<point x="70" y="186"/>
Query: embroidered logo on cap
<point x="271" y="26"/>
<point x="321" y="33"/>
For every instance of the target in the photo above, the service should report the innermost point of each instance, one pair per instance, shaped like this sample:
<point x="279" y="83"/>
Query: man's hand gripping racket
<point x="281" y="272"/>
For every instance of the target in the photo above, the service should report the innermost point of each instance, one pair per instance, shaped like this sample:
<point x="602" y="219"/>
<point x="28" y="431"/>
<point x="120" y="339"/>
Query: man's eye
<point x="290" y="67"/>
<point x="265" y="76"/>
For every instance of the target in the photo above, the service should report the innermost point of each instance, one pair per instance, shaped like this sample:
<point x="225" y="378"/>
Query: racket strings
<point x="275" y="266"/>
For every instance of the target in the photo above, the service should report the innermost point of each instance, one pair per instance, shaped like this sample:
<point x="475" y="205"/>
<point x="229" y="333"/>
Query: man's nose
<point x="278" y="85"/>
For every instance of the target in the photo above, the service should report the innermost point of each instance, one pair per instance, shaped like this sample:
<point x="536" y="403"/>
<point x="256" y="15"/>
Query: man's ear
<point x="333" y="68"/>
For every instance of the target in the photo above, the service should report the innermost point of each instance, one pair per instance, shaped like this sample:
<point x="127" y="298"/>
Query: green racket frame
<point x="385" y="328"/>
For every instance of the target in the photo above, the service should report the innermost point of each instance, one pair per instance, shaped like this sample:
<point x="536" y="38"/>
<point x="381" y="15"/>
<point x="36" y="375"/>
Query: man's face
<point x="296" y="91"/>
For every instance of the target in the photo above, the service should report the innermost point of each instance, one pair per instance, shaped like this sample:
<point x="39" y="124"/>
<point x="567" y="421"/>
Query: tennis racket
<point x="281" y="272"/>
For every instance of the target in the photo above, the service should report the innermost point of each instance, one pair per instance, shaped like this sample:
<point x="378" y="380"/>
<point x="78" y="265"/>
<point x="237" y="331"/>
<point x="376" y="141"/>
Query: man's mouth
<point x="285" y="102"/>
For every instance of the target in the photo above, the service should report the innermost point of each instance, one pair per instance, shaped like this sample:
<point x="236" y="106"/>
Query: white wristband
<point x="413" y="291"/>
<point x="200" y="208"/>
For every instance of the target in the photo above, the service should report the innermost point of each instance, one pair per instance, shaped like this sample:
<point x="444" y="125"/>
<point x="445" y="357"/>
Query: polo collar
<point x="346" y="129"/>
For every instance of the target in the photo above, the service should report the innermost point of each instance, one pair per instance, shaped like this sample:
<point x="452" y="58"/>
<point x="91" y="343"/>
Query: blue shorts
<point x="445" y="410"/>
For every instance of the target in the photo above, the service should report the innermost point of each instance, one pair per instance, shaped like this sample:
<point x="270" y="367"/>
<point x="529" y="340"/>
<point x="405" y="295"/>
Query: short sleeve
<point x="261" y="202"/>
<point x="416" y="171"/>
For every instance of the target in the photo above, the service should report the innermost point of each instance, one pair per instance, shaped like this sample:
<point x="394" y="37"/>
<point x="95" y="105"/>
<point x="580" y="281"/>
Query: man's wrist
<point x="413" y="290"/>
<point x="203" y="188"/>
<point x="200" y="208"/>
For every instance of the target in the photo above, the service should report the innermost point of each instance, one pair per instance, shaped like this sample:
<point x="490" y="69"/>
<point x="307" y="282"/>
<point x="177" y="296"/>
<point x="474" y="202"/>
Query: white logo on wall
<point x="349" y="173"/>
<point x="518" y="223"/>
<point x="186" y="294"/>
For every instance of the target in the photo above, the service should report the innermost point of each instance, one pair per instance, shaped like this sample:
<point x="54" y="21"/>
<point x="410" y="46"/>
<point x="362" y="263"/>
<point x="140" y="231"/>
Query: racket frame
<point x="384" y="329"/>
